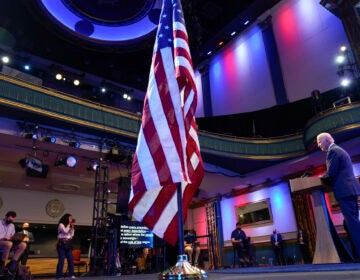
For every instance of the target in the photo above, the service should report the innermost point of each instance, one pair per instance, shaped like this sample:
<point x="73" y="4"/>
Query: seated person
<point x="25" y="230"/>
<point x="7" y="232"/>
<point x="192" y="245"/>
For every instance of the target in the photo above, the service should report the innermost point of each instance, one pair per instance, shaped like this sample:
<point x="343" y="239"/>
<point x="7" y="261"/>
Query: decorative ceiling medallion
<point x="64" y="187"/>
<point x="102" y="32"/>
<point x="54" y="208"/>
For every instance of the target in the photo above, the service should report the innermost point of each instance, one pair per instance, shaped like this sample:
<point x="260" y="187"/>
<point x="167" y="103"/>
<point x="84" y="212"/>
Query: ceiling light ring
<point x="101" y="33"/>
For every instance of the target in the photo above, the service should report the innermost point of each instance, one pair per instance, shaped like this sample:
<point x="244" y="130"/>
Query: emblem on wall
<point x="54" y="208"/>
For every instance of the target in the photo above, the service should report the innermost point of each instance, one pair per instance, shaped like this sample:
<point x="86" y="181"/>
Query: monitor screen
<point x="134" y="235"/>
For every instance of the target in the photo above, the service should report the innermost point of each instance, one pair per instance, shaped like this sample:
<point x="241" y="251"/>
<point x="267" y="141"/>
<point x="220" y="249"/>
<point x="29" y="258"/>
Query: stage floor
<point x="293" y="272"/>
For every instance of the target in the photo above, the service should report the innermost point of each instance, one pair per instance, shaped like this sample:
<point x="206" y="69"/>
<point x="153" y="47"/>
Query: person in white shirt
<point x="66" y="230"/>
<point x="7" y="231"/>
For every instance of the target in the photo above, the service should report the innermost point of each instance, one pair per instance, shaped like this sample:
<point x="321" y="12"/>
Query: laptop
<point x="18" y="236"/>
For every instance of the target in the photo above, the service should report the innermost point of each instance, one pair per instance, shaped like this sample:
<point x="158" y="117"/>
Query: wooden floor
<point x="47" y="266"/>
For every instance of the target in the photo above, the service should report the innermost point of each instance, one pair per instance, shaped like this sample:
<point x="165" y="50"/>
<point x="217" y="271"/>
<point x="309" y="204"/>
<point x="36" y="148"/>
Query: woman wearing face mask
<point x="64" y="245"/>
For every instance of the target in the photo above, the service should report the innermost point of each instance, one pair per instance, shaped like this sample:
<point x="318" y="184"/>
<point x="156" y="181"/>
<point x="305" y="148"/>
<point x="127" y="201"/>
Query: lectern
<point x="325" y="249"/>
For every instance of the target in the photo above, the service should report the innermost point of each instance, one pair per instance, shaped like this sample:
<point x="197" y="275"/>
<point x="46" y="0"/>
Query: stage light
<point x="50" y="139"/>
<point x="5" y="59"/>
<point x="343" y="48"/>
<point x="69" y="161"/>
<point x="27" y="67"/>
<point x="34" y="167"/>
<point x="233" y="33"/>
<point x="76" y="82"/>
<point x="92" y="166"/>
<point x="33" y="136"/>
<point x="345" y="82"/>
<point x="74" y="144"/>
<point x="340" y="59"/>
<point x="58" y="76"/>
<point x="103" y="90"/>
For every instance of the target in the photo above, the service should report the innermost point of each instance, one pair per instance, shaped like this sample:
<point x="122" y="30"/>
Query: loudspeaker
<point x="124" y="188"/>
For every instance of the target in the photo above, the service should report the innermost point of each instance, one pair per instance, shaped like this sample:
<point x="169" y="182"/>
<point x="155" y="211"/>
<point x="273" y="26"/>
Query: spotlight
<point x="343" y="48"/>
<point x="92" y="166"/>
<point x="34" y="167"/>
<point x="340" y="59"/>
<point x="74" y="144"/>
<point x="50" y="139"/>
<point x="33" y="136"/>
<point x="69" y="161"/>
<point x="76" y="82"/>
<point x="345" y="82"/>
<point x="5" y="59"/>
<point x="58" y="76"/>
<point x="27" y="67"/>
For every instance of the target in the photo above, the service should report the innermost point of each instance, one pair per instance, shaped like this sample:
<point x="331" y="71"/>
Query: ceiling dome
<point x="105" y="21"/>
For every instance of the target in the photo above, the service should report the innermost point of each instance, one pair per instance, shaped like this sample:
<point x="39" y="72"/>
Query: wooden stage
<point x="41" y="267"/>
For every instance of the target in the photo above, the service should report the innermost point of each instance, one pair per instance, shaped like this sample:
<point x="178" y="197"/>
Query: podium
<point x="325" y="249"/>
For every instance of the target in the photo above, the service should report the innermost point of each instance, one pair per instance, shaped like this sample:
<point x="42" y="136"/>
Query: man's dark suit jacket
<point x="340" y="172"/>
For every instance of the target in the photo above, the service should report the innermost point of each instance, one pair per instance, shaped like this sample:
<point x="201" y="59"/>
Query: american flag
<point x="168" y="149"/>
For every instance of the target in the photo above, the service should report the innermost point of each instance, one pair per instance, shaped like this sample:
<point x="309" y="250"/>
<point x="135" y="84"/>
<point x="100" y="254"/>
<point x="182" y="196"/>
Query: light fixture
<point x="50" y="139"/>
<point x="27" y="67"/>
<point x="93" y="166"/>
<point x="76" y="82"/>
<point x="5" y="59"/>
<point x="74" y="144"/>
<point x="340" y="59"/>
<point x="33" y="136"/>
<point x="58" y="76"/>
<point x="34" y="167"/>
<point x="69" y="161"/>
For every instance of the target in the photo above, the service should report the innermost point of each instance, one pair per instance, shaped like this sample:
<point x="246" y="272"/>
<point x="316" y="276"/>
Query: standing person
<point x="64" y="245"/>
<point x="277" y="244"/>
<point x="238" y="239"/>
<point x="31" y="239"/>
<point x="191" y="245"/>
<point x="340" y="175"/>
<point x="303" y="243"/>
<point x="7" y="231"/>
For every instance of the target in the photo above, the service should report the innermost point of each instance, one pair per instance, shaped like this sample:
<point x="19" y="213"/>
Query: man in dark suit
<point x="277" y="244"/>
<point x="340" y="175"/>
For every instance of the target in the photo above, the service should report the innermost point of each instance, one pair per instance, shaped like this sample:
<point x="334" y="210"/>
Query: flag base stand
<point x="183" y="270"/>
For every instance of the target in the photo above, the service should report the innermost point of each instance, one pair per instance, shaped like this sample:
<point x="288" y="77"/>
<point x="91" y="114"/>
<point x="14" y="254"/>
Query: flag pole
<point x="180" y="219"/>
<point x="182" y="269"/>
